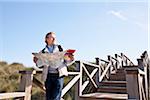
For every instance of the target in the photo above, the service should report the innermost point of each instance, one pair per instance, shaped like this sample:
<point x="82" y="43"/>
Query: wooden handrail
<point x="90" y="64"/>
<point x="104" y="61"/>
<point x="12" y="95"/>
<point x="122" y="55"/>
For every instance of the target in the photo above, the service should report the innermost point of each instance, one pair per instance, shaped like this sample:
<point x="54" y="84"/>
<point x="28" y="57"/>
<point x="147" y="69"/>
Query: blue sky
<point x="93" y="28"/>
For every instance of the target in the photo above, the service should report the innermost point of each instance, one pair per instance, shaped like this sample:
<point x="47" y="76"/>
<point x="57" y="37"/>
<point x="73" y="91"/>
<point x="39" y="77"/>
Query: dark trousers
<point x="53" y="85"/>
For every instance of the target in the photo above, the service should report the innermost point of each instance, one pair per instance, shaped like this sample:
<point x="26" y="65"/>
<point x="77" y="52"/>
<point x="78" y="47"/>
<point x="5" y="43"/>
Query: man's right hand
<point x="69" y="57"/>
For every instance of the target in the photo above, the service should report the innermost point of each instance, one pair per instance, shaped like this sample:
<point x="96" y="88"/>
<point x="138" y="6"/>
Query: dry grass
<point x="10" y="79"/>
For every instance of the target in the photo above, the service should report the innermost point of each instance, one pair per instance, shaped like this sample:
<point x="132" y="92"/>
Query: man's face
<point x="50" y="39"/>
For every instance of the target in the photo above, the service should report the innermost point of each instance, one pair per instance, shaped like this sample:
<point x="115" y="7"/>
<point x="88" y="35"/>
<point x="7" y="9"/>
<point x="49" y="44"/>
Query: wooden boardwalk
<point x="114" y="79"/>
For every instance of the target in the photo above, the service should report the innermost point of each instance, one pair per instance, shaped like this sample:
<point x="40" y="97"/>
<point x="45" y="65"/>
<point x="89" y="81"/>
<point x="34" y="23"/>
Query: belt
<point x="53" y="74"/>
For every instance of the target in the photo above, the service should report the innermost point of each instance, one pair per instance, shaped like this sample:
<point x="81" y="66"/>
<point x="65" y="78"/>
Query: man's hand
<point x="69" y="57"/>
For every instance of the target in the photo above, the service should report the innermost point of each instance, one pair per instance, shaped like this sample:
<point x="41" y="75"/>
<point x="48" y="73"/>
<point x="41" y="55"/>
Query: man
<point x="53" y="83"/>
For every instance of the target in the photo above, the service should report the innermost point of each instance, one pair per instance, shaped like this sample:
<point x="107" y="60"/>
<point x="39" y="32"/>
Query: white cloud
<point x="117" y="14"/>
<point x="120" y="16"/>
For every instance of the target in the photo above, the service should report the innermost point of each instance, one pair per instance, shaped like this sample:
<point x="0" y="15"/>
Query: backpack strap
<point x="43" y="50"/>
<point x="60" y="48"/>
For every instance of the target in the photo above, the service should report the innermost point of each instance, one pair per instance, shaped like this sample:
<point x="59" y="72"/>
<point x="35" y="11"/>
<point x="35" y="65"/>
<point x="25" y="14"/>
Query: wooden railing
<point x="112" y="65"/>
<point x="91" y="74"/>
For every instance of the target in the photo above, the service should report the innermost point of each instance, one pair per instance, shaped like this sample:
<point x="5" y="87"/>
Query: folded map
<point x="54" y="60"/>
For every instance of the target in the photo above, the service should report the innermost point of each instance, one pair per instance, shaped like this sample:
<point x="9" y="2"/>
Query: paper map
<point x="54" y="60"/>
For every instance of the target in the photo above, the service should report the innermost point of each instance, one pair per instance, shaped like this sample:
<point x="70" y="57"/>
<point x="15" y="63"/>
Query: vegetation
<point x="9" y="76"/>
<point x="10" y="79"/>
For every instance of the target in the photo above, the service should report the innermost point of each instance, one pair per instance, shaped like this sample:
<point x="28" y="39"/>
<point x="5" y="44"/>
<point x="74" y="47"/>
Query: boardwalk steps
<point x="118" y="76"/>
<point x="114" y="83"/>
<point x="112" y="89"/>
<point x="104" y="96"/>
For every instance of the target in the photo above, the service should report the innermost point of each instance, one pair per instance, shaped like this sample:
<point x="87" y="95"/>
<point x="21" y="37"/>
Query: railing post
<point x="148" y="81"/>
<point x="122" y="60"/>
<point x="77" y="91"/>
<point x="26" y="83"/>
<point x="109" y="70"/>
<point x="146" y="59"/>
<point x="132" y="77"/>
<point x="144" y="67"/>
<point x="117" y="63"/>
<point x="99" y="71"/>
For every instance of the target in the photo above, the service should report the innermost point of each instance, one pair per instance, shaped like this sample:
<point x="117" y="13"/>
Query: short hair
<point x="50" y="33"/>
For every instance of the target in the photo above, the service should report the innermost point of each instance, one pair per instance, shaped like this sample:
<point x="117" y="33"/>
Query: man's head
<point x="50" y="38"/>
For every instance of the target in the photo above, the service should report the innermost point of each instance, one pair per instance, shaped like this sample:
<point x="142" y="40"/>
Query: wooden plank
<point x="11" y="95"/>
<point x="81" y="78"/>
<point x="112" y="89"/>
<point x="84" y="85"/>
<point x="90" y="64"/>
<point x="73" y="73"/>
<point x="77" y="88"/>
<point x="70" y="84"/>
<point x="132" y="77"/>
<point x="106" y="96"/>
<point x="39" y="84"/>
<point x="28" y="86"/>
